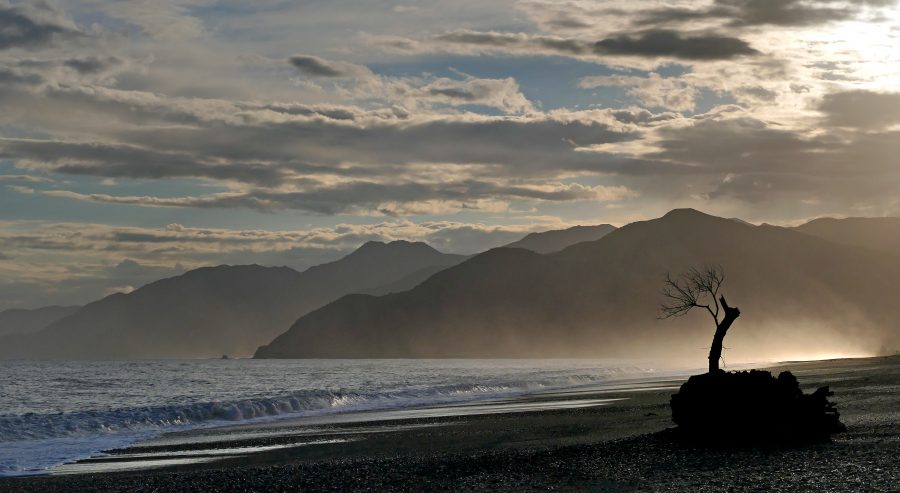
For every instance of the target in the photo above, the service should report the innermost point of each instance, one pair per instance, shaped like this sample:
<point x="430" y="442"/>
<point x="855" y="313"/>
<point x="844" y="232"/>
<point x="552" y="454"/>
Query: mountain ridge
<point x="555" y="240"/>
<point x="215" y="310"/>
<point x="877" y="233"/>
<point x="28" y="320"/>
<point x="599" y="298"/>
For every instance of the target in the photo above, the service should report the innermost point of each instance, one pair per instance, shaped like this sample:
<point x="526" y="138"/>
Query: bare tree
<point x="699" y="288"/>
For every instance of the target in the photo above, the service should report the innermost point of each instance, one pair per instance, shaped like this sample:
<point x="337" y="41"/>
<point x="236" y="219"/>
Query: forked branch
<point x="696" y="288"/>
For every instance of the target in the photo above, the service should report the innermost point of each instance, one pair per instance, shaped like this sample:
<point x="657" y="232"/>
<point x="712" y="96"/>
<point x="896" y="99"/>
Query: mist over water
<point x="55" y="412"/>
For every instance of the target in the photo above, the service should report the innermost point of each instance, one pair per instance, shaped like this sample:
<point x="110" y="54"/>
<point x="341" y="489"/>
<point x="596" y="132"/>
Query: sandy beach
<point x="615" y="439"/>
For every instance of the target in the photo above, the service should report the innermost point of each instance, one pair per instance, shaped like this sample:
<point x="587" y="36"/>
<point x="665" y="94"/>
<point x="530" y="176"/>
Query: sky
<point x="139" y="139"/>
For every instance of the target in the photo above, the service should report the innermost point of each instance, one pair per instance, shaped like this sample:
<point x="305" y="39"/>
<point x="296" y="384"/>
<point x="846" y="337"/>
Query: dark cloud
<point x="861" y="109"/>
<point x="527" y="146"/>
<point x="737" y="144"/>
<point x="566" y="46"/>
<point x="355" y="196"/>
<point x="772" y="167"/>
<point x="127" y="161"/>
<point x="11" y="76"/>
<point x="566" y="21"/>
<point x="30" y="27"/>
<point x="319" y="67"/>
<point x="335" y="113"/>
<point x="667" y="43"/>
<point x="646" y="43"/>
<point x="92" y="64"/>
<point x="765" y="12"/>
<point x="517" y="41"/>
<point x="463" y="93"/>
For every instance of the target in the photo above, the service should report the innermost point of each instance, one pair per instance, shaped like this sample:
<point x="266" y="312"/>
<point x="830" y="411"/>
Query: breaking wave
<point x="82" y="409"/>
<point x="34" y="426"/>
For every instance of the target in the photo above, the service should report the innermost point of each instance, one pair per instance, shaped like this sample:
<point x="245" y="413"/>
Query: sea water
<point x="57" y="412"/>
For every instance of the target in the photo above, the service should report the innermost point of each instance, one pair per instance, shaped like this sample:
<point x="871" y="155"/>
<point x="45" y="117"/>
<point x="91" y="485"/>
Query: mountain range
<point x="584" y="291"/>
<point x="600" y="298"/>
<point x="213" y="311"/>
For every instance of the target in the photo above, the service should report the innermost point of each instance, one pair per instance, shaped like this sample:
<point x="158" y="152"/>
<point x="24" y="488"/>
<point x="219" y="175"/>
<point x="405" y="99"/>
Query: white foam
<point x="200" y="394"/>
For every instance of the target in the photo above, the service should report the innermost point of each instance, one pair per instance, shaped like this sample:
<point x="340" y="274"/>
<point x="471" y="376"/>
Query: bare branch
<point x="690" y="289"/>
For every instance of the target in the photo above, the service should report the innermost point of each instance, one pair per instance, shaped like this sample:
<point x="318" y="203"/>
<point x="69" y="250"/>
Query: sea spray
<point x="83" y="408"/>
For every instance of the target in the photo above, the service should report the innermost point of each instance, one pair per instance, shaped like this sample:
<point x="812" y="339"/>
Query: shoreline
<point x="610" y="446"/>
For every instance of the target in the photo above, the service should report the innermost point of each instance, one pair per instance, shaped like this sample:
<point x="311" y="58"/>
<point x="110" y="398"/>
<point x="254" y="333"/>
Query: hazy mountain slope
<point x="23" y="321"/>
<point x="376" y="264"/>
<point x="600" y="299"/>
<point x="406" y="283"/>
<point x="878" y="233"/>
<point x="553" y="241"/>
<point x="217" y="310"/>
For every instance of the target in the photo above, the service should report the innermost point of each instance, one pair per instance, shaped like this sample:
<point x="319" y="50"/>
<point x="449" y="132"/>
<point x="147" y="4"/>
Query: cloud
<point x="319" y="67"/>
<point x="92" y="64"/>
<point x="499" y="93"/>
<point x="765" y="12"/>
<point x="92" y="260"/>
<point x="671" y="93"/>
<point x="300" y="149"/>
<point x="383" y="198"/>
<point x="863" y="109"/>
<point x="11" y="77"/>
<point x="648" y="43"/>
<point x="128" y="161"/>
<point x="167" y="20"/>
<point x="179" y="106"/>
<point x="32" y="26"/>
<point x="672" y="44"/>
<point x="25" y="178"/>
<point x="132" y="247"/>
<point x="733" y="157"/>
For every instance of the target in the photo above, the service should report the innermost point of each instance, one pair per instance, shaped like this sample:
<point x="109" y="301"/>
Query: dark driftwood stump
<point x="752" y="407"/>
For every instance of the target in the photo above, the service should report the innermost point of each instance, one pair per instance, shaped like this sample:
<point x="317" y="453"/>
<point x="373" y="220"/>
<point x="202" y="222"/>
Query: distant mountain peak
<point x="686" y="212"/>
<point x="223" y="309"/>
<point x="692" y="217"/>
<point x="375" y="246"/>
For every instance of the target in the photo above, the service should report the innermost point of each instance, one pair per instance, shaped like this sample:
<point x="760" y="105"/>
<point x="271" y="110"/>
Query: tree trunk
<point x="715" y="352"/>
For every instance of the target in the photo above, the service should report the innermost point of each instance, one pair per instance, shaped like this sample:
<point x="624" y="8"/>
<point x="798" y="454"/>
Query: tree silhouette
<point x="699" y="288"/>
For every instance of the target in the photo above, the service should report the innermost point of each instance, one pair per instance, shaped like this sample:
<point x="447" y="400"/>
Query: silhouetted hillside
<point x="797" y="293"/>
<point x="878" y="233"/>
<point x="553" y="241"/>
<point x="24" y="321"/>
<point x="217" y="310"/>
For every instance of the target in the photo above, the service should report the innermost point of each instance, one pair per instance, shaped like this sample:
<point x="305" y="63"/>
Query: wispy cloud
<point x="463" y="115"/>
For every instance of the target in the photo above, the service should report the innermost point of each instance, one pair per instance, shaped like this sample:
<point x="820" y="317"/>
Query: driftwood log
<point x="752" y="407"/>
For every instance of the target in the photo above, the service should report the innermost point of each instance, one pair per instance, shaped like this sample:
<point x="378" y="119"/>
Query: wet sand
<point x="610" y="440"/>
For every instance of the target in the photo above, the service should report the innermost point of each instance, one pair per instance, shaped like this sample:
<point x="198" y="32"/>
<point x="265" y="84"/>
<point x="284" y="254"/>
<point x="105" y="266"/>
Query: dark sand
<point x="623" y="446"/>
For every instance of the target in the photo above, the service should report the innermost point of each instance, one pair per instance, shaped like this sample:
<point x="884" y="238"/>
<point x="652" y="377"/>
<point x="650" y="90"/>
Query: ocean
<point x="53" y="413"/>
